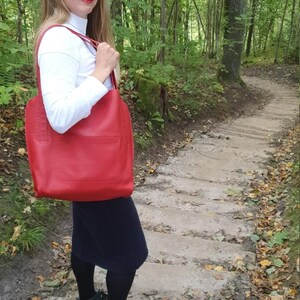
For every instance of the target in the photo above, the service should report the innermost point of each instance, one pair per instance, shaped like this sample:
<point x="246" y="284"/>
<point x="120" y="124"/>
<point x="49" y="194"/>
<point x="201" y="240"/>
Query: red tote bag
<point x="92" y="161"/>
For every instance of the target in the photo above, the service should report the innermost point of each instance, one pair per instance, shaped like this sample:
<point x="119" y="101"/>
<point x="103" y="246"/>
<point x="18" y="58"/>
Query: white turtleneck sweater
<point x="66" y="62"/>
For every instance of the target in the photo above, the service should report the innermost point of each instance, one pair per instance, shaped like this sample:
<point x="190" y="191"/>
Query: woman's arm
<point x="66" y="104"/>
<point x="59" y="62"/>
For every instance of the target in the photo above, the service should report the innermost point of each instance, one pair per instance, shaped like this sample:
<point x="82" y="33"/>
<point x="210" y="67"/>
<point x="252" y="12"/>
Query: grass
<point x="24" y="220"/>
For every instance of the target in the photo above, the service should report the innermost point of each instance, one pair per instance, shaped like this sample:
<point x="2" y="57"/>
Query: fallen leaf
<point x="32" y="200"/>
<point x="17" y="232"/>
<point x="254" y="238"/>
<point x="208" y="267"/>
<point x="67" y="248"/>
<point x="265" y="263"/>
<point x="292" y="292"/>
<point x="27" y="210"/>
<point x="23" y="89"/>
<point x="21" y="151"/>
<point x="220" y="238"/>
<point x="219" y="268"/>
<point x="55" y="245"/>
<point x="52" y="283"/>
<point x="277" y="262"/>
<point x="271" y="270"/>
<point x="248" y="294"/>
<point x="276" y="297"/>
<point x="40" y="278"/>
<point x="14" y="250"/>
<point x="218" y="276"/>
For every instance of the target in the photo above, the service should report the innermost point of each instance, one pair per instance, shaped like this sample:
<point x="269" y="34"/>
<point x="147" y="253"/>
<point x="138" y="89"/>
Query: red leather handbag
<point x="92" y="161"/>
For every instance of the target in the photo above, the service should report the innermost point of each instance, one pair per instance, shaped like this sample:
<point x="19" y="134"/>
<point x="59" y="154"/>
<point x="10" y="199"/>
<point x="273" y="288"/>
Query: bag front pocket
<point x="98" y="157"/>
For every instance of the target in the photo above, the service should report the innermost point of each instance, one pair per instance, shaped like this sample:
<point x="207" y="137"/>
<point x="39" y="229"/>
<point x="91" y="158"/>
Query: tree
<point x="234" y="11"/>
<point x="163" y="27"/>
<point x="251" y="28"/>
<point x="292" y="32"/>
<point x="280" y="32"/>
<point x="116" y="13"/>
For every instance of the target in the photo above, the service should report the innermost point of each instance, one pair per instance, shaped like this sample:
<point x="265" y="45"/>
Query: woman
<point x="74" y="77"/>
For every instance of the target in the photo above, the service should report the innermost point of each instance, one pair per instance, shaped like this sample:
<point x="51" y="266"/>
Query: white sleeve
<point x="65" y="104"/>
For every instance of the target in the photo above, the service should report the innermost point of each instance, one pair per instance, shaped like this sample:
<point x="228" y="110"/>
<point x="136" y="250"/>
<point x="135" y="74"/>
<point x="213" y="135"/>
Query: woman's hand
<point x="107" y="59"/>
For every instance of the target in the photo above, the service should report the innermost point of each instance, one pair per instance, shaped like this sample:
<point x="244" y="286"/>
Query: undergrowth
<point x="292" y="214"/>
<point x="24" y="220"/>
<point x="276" y="201"/>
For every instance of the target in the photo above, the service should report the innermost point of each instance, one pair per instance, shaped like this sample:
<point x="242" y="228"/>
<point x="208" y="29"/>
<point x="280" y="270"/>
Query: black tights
<point x="118" y="284"/>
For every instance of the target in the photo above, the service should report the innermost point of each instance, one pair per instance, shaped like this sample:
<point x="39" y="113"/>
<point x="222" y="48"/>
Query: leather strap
<point x="83" y="37"/>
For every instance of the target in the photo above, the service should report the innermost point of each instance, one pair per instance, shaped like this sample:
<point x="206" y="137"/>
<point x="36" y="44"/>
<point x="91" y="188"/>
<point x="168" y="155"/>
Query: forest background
<point x="178" y="60"/>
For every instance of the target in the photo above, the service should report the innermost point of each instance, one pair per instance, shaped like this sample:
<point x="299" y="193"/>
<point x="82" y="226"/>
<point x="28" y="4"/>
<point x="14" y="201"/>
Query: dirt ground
<point x="19" y="278"/>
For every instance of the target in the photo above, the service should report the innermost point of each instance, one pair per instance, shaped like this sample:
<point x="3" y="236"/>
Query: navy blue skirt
<point x="109" y="234"/>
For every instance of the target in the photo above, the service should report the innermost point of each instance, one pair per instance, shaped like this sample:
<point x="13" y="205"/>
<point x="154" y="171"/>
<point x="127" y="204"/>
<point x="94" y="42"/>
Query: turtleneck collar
<point x="77" y="23"/>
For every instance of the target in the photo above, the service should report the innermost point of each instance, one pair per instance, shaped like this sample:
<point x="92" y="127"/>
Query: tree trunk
<point x="2" y="11"/>
<point x="135" y="17"/>
<point x="152" y="31"/>
<point x="126" y="18"/>
<point x="233" y="40"/>
<point x="251" y="29"/>
<point x="116" y="13"/>
<point x="175" y="23"/>
<point x="268" y="33"/>
<point x="20" y="21"/>
<point x="163" y="28"/>
<point x="171" y="13"/>
<point x="199" y="19"/>
<point x="186" y="24"/>
<point x="208" y="27"/>
<point x="218" y="25"/>
<point x="280" y="32"/>
<point x="291" y="32"/>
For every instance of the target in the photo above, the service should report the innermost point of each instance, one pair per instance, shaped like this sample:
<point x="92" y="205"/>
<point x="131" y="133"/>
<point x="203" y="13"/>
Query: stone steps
<point x="187" y="222"/>
<point x="163" y="281"/>
<point x="197" y="234"/>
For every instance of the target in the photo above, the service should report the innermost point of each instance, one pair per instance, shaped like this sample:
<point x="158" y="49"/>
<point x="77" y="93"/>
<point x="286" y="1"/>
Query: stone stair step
<point x="184" y="222"/>
<point x="172" y="281"/>
<point x="177" y="249"/>
<point x="197" y="202"/>
<point x="210" y="190"/>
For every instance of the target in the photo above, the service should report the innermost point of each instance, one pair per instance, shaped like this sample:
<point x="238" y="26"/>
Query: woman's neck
<point x="77" y="23"/>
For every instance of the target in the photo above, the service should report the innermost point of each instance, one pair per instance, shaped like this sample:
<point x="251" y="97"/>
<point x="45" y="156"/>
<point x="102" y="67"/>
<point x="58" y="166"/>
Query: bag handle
<point x="84" y="38"/>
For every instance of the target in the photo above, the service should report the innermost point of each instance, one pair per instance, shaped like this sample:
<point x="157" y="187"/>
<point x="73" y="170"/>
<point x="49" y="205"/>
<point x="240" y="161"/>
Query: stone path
<point x="197" y="235"/>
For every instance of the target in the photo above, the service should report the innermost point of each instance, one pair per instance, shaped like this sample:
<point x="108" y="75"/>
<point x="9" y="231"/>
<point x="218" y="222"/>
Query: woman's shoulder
<point x="59" y="39"/>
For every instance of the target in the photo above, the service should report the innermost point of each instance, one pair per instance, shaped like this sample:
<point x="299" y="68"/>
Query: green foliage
<point x="192" y="95"/>
<point x="5" y="95"/>
<point x="143" y="140"/>
<point x="278" y="238"/>
<point x="161" y="74"/>
<point x="155" y="122"/>
<point x="293" y="208"/>
<point x="24" y="219"/>
<point x="15" y="92"/>
<point x="13" y="57"/>
<point x="29" y="238"/>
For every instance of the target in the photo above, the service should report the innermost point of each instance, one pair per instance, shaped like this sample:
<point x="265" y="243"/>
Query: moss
<point x="148" y="96"/>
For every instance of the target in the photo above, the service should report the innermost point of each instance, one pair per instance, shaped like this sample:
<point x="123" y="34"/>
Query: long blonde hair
<point x="99" y="23"/>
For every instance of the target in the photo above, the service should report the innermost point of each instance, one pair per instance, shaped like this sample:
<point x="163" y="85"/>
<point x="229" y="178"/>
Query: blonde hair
<point x="98" y="27"/>
<point x="99" y="23"/>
